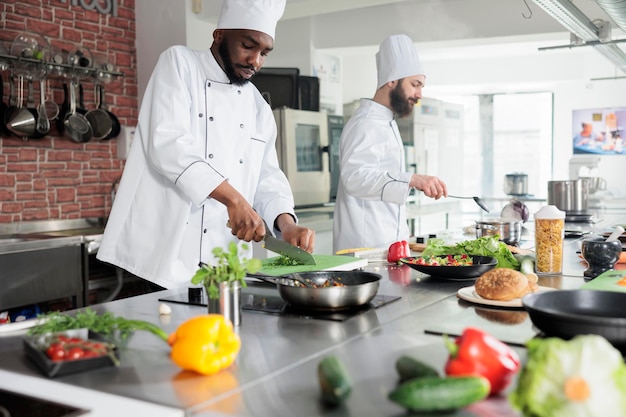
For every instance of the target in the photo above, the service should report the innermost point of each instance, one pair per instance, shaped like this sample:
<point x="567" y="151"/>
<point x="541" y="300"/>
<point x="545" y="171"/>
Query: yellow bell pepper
<point x="205" y="344"/>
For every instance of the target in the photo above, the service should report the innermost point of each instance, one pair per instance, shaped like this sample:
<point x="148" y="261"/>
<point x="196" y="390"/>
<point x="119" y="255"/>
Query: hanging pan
<point x="116" y="128"/>
<point x="3" y="109"/>
<point x="76" y="126"/>
<point x="40" y="127"/>
<point x="99" y="118"/>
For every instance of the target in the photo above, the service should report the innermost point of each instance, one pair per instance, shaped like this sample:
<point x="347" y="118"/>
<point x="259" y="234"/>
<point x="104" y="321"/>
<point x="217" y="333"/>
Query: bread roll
<point x="504" y="284"/>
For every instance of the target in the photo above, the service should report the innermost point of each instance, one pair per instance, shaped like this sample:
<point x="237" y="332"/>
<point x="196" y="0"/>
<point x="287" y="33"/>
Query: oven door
<point x="302" y="147"/>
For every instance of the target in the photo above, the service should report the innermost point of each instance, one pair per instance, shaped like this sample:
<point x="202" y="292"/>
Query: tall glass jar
<point x="549" y="235"/>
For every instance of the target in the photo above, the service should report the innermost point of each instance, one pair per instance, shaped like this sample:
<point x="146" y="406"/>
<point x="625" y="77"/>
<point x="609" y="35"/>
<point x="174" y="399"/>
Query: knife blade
<point x="283" y="248"/>
<point x="286" y="249"/>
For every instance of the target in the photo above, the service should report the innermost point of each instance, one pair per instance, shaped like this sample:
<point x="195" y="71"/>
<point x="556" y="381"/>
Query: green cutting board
<point x="324" y="263"/>
<point x="607" y="281"/>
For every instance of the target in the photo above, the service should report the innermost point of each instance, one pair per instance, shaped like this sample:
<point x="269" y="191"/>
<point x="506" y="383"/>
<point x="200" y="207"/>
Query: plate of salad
<point x="458" y="267"/>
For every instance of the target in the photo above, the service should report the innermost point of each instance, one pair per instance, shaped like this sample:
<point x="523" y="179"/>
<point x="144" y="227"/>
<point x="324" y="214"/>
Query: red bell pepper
<point x="476" y="352"/>
<point x="398" y="250"/>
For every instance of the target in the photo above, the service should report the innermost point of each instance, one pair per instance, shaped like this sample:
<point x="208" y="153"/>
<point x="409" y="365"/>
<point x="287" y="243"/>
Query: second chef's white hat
<point x="397" y="58"/>
<point x="260" y="15"/>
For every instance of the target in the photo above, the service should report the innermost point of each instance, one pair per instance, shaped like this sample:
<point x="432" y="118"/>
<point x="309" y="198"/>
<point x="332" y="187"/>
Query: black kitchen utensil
<point x="116" y="127"/>
<point x="478" y="201"/>
<point x="3" y="108"/>
<point x="567" y="313"/>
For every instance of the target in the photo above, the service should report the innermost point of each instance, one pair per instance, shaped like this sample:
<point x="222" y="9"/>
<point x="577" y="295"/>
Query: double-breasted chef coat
<point x="373" y="184"/>
<point x="195" y="130"/>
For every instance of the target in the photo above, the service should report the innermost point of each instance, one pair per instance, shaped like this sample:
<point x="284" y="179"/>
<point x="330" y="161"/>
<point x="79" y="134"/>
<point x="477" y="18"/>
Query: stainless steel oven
<point x="302" y="146"/>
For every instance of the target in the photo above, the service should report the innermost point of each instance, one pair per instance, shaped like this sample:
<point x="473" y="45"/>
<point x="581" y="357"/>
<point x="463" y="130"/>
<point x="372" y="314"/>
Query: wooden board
<point x="324" y="263"/>
<point x="607" y="281"/>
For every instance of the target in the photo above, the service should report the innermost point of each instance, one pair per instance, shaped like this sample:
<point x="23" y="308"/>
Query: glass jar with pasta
<point x="549" y="234"/>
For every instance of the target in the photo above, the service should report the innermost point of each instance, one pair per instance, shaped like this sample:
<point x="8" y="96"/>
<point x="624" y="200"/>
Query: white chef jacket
<point x="195" y="130"/>
<point x="373" y="184"/>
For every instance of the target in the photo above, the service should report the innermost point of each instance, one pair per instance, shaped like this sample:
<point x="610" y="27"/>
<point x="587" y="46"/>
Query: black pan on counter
<point x="567" y="313"/>
<point x="356" y="289"/>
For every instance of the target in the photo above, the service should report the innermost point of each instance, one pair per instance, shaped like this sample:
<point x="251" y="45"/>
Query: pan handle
<point x="270" y="279"/>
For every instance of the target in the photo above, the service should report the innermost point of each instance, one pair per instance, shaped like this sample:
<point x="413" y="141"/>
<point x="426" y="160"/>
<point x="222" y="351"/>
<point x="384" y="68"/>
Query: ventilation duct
<point x="579" y="25"/>
<point x="616" y="10"/>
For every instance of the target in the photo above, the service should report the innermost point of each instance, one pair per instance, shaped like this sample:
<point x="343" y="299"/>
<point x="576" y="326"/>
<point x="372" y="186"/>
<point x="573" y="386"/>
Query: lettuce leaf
<point x="482" y="246"/>
<point x="554" y="365"/>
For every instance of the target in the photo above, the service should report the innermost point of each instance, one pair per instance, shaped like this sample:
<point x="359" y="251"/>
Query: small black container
<point x="33" y="345"/>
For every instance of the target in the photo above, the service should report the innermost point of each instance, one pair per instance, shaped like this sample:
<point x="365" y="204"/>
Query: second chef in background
<point x="373" y="181"/>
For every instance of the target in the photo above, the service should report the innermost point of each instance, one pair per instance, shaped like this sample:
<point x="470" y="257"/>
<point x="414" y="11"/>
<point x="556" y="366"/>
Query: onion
<point x="515" y="210"/>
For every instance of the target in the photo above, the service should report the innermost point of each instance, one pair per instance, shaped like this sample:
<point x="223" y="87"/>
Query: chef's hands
<point x="243" y="220"/>
<point x="429" y="185"/>
<point x="299" y="236"/>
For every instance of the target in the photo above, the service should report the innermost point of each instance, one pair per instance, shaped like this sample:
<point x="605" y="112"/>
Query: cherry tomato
<point x="56" y="352"/>
<point x="75" y="353"/>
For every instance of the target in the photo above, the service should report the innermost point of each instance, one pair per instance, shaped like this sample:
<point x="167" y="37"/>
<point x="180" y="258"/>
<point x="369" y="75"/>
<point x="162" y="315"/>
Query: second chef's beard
<point x="229" y="67"/>
<point x="400" y="101"/>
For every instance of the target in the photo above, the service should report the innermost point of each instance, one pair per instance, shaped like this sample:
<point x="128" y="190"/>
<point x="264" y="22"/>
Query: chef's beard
<point x="229" y="67"/>
<point x="399" y="101"/>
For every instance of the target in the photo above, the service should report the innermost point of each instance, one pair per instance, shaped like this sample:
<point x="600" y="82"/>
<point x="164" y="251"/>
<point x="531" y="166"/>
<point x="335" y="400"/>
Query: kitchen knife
<point x="285" y="249"/>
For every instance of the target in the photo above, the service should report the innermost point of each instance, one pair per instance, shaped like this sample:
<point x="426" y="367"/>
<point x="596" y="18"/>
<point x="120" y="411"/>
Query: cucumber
<point x="440" y="394"/>
<point x="411" y="368"/>
<point x="335" y="383"/>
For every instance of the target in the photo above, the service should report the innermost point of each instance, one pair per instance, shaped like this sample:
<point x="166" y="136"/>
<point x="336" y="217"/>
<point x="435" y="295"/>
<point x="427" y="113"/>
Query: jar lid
<point x="549" y="212"/>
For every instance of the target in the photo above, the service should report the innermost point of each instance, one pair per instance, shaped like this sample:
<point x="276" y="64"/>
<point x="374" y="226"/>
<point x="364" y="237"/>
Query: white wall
<point x="468" y="51"/>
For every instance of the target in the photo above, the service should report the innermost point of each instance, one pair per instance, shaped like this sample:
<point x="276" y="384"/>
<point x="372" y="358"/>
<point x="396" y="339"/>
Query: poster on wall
<point x="328" y="69"/>
<point x="599" y="131"/>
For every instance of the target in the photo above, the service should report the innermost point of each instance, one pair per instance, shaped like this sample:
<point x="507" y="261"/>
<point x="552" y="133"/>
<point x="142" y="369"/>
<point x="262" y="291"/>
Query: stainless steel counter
<point x="275" y="373"/>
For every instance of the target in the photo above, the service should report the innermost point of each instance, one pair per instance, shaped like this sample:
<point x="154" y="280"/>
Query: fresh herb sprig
<point x="229" y="268"/>
<point x="106" y="324"/>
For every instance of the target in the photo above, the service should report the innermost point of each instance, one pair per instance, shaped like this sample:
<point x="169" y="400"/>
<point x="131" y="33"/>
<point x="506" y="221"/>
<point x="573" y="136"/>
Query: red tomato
<point x="56" y="352"/>
<point x="75" y="353"/>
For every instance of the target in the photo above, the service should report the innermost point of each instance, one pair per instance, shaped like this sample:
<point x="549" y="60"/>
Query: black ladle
<point x="478" y="201"/>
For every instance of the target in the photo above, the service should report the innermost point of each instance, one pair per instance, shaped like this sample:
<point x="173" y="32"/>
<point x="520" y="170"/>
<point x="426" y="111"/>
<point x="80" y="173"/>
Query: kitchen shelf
<point x="66" y="68"/>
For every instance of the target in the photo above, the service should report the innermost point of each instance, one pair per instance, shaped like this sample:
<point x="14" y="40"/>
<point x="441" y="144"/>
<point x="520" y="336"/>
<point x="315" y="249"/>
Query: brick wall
<point x="54" y="177"/>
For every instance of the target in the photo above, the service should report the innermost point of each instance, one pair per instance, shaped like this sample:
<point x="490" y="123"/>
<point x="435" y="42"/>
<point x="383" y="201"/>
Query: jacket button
<point x="210" y="156"/>
<point x="200" y="115"/>
<point x="238" y="91"/>
<point x="211" y="118"/>
<point x="241" y="161"/>
<point x="208" y="84"/>
<point x="241" y="125"/>
<point x="204" y="231"/>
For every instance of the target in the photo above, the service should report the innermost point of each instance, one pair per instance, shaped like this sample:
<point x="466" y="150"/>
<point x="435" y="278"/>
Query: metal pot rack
<point x="66" y="69"/>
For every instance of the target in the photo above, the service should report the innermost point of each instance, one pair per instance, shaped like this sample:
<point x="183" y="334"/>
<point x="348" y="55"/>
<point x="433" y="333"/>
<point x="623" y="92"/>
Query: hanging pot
<point x="63" y="111"/>
<point x="99" y="119"/>
<point x="76" y="125"/>
<point x="116" y="127"/>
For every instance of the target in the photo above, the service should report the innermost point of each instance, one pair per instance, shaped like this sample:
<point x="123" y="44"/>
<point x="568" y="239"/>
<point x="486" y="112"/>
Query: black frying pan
<point x="358" y="289"/>
<point x="567" y="313"/>
<point x="3" y="109"/>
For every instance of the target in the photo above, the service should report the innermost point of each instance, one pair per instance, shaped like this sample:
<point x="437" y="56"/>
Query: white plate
<point x="469" y="294"/>
<point x="11" y="328"/>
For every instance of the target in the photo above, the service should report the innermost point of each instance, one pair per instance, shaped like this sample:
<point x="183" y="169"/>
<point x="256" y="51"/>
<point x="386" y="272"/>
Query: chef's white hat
<point x="397" y="58"/>
<point x="261" y="15"/>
